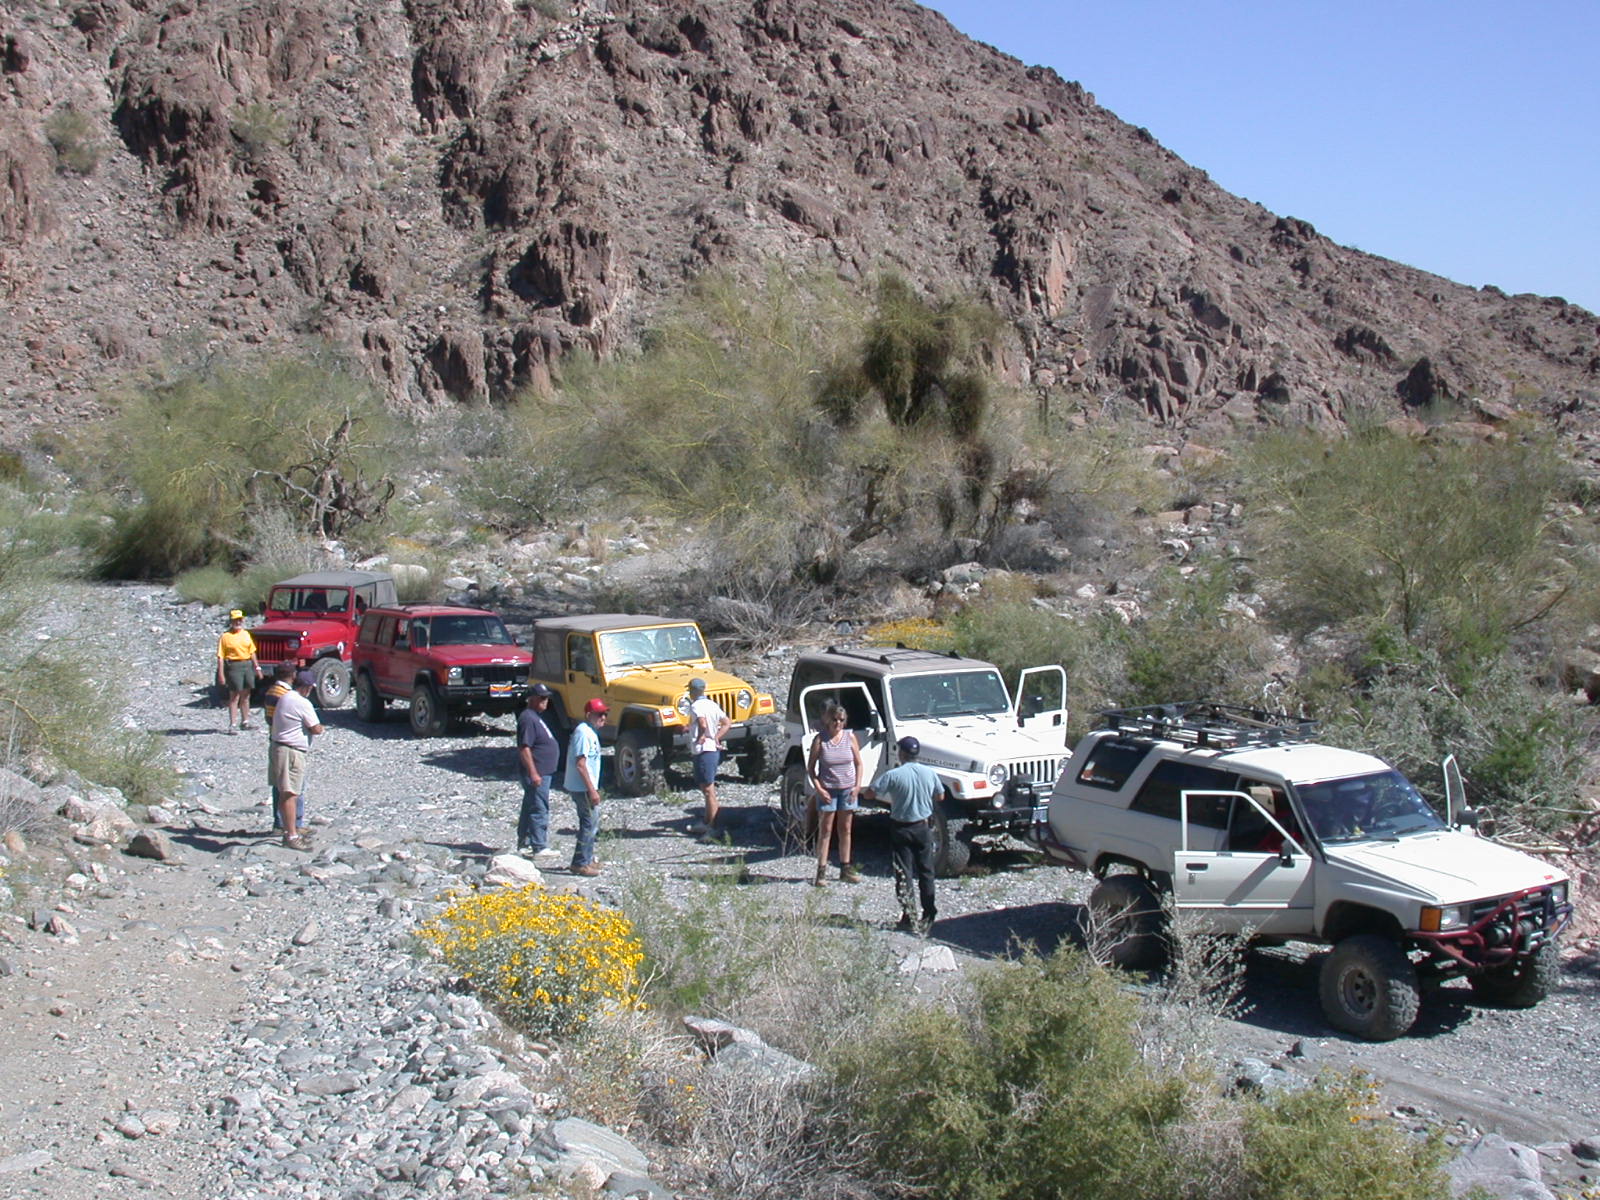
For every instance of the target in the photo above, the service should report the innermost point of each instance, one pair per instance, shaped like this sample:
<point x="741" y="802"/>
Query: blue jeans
<point x="299" y="810"/>
<point x="533" y="825"/>
<point x="588" y="829"/>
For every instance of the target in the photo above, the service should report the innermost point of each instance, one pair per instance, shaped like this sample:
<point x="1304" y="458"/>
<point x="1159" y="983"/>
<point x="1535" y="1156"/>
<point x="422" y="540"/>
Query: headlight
<point x="453" y="675"/>
<point x="1437" y="920"/>
<point x="744" y="699"/>
<point x="683" y="704"/>
<point x="998" y="774"/>
<point x="1558" y="893"/>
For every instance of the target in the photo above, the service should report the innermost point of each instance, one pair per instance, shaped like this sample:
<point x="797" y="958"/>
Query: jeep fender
<point x="638" y="718"/>
<point x="1344" y="919"/>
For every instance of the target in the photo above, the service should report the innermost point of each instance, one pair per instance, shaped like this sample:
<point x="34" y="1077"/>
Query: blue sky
<point x="1460" y="137"/>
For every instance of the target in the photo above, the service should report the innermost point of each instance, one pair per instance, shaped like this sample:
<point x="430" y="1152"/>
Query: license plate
<point x="500" y="689"/>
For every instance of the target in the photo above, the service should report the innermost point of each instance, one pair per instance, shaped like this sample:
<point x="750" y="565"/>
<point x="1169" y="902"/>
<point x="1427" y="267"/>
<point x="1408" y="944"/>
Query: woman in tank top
<point x="834" y="767"/>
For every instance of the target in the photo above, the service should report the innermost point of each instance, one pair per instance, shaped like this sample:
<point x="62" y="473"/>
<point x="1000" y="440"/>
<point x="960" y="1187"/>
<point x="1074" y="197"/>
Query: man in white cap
<point x="708" y="725"/>
<point x="294" y="724"/>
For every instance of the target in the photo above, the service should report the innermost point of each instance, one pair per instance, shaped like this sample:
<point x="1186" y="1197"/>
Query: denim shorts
<point x="705" y="767"/>
<point x="839" y="800"/>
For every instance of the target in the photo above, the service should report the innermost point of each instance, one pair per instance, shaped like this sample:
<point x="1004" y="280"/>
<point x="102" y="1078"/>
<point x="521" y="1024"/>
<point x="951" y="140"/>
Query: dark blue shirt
<point x="533" y="733"/>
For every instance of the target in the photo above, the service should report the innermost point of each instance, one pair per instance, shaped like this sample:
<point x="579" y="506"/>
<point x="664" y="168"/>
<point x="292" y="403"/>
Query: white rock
<point x="930" y="960"/>
<point x="512" y="870"/>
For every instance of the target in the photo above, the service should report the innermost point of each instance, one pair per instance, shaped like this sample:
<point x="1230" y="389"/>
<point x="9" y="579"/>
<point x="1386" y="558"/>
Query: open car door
<point x="1041" y="702"/>
<point x="863" y="719"/>
<point x="1221" y="874"/>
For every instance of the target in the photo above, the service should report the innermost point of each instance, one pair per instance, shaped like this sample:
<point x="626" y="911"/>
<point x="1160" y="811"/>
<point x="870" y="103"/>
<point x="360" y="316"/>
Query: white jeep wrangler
<point x="1238" y="816"/>
<point x="990" y="751"/>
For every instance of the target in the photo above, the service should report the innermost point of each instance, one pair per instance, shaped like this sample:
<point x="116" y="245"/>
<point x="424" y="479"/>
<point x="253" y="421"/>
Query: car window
<point x="1162" y="791"/>
<point x="370" y="625"/>
<point x="547" y="653"/>
<point x="951" y="694"/>
<point x="1111" y="763"/>
<point x="469" y="629"/>
<point x="580" y="655"/>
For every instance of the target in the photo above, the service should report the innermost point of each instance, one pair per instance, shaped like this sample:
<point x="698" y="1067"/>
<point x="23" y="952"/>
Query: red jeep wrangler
<point x="312" y="619"/>
<point x="446" y="661"/>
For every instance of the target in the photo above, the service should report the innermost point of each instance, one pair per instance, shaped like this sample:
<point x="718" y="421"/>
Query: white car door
<point x="1041" y="703"/>
<point x="1269" y="891"/>
<point x="865" y="721"/>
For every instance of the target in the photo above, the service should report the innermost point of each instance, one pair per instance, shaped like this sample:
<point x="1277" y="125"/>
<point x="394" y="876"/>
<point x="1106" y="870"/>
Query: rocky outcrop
<point x="460" y="191"/>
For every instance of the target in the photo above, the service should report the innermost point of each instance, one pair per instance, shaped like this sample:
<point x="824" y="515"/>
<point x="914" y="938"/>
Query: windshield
<point x="642" y="647"/>
<point x="310" y="599"/>
<point x="468" y="631"/>
<point x="1381" y="805"/>
<point x="957" y="694"/>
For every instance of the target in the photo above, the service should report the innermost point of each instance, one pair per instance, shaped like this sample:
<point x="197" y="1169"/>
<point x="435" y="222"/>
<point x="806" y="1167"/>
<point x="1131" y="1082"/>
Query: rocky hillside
<point x="458" y="191"/>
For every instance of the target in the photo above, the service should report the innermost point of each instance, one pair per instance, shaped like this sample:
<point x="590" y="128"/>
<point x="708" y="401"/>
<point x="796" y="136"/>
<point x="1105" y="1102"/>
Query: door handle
<point x="1200" y="866"/>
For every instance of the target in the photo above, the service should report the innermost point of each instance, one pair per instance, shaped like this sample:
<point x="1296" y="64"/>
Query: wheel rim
<point x="332" y="686"/>
<point x="627" y="763"/>
<point x="794" y="801"/>
<point x="1359" y="991"/>
<point x="422" y="709"/>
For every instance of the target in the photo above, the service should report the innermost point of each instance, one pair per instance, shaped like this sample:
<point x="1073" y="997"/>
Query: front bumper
<point x="1510" y="928"/>
<point x="484" y="697"/>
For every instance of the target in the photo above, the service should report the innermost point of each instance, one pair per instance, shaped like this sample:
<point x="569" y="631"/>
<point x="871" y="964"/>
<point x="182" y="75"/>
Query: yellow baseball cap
<point x="236" y="614"/>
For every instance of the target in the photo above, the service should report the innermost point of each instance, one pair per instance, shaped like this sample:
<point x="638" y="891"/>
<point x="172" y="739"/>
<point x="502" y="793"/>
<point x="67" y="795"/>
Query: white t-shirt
<point x="708" y="717"/>
<point x="293" y="719"/>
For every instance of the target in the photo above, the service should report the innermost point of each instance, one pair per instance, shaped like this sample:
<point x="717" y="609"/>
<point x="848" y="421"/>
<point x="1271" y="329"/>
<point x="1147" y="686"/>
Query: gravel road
<point x="178" y="1041"/>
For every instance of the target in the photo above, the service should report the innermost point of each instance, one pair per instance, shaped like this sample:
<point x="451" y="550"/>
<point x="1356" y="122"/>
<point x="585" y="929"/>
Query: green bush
<point x="1327" y="1142"/>
<point x="201" y="461"/>
<point x="1016" y="634"/>
<point x="1034" y="1087"/>
<point x="1190" y="645"/>
<point x="259" y="127"/>
<point x="71" y="135"/>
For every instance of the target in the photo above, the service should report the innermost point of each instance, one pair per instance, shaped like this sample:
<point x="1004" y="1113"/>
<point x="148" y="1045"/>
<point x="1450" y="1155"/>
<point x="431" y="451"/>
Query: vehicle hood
<point x="306" y="627"/>
<point x="1446" y="867"/>
<point x="662" y="684"/>
<point x="958" y="742"/>
<point x="471" y="655"/>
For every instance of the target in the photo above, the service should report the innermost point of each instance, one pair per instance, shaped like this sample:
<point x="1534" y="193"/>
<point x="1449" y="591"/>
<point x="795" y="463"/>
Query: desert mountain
<point x="457" y="192"/>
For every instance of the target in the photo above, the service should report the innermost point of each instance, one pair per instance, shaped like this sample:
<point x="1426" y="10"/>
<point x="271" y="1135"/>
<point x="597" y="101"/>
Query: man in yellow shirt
<point x="237" y="669"/>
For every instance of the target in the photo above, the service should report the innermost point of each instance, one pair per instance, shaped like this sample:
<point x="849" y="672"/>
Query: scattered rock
<point x="153" y="844"/>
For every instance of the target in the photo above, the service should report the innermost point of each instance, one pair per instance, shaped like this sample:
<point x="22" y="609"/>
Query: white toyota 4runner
<point x="990" y="751"/>
<point x="1239" y="817"/>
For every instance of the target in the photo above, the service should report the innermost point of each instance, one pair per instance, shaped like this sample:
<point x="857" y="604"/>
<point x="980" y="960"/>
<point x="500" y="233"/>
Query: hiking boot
<point x="848" y="873"/>
<point x="821" y="879"/>
<point x="903" y="925"/>
<point x="296" y="843"/>
<point x="588" y="870"/>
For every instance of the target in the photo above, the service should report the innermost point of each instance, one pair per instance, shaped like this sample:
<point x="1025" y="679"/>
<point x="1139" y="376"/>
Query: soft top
<point x="599" y="622"/>
<point x="334" y="579"/>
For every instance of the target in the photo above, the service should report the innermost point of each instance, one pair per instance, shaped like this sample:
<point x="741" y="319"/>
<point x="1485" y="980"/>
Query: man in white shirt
<point x="708" y="725"/>
<point x="294" y="724"/>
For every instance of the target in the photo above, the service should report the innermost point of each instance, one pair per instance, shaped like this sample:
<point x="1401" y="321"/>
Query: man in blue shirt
<point x="911" y="790"/>
<point x="538" y="753"/>
<point x="583" y="782"/>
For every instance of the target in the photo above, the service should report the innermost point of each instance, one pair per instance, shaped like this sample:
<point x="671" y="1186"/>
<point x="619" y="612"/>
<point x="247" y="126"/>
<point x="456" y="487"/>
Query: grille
<point x="1539" y="901"/>
<point x="271" y="647"/>
<point x="1035" y="770"/>
<point x="729" y="703"/>
<point x="494" y="673"/>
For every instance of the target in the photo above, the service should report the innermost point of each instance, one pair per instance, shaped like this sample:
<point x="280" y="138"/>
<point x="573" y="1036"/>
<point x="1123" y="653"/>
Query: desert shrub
<point x="194" y="462"/>
<point x="549" y="962"/>
<point x="1016" y="634"/>
<point x="1191" y="644"/>
<point x="1523" y="751"/>
<point x="1450" y="545"/>
<point x="258" y="127"/>
<point x="214" y="584"/>
<point x="71" y="135"/>
<point x="1327" y="1141"/>
<point x="1033" y="1081"/>
<point x="720" y="949"/>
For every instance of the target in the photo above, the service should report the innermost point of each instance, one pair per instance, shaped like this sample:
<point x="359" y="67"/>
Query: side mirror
<point x="1285" y="856"/>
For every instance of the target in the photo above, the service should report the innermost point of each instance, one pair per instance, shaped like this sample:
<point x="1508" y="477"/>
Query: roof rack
<point x="881" y="655"/>
<point x="1209" y="724"/>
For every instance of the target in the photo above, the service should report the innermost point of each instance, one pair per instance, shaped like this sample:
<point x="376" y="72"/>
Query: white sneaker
<point x="547" y="854"/>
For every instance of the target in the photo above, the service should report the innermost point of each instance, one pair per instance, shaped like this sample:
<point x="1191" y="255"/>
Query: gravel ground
<point x="252" y="1021"/>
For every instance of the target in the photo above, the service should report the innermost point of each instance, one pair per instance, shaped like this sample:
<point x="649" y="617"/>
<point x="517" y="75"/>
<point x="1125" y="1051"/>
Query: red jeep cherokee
<point x="447" y="661"/>
<point x="312" y="619"/>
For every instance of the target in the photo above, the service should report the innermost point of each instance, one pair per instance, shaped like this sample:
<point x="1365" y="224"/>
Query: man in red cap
<point x="583" y="782"/>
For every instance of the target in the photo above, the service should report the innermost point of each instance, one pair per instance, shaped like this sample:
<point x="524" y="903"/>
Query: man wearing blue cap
<point x="911" y="791"/>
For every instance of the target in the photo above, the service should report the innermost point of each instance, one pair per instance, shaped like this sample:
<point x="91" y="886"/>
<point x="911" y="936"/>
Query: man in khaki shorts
<point x="294" y="724"/>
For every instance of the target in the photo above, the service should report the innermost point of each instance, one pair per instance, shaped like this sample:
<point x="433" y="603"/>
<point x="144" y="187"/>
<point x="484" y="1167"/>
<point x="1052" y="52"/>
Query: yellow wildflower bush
<point x="548" y="961"/>
<point x="920" y="633"/>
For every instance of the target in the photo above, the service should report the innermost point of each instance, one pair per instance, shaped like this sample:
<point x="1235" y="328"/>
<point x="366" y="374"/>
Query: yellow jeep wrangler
<point x="641" y="667"/>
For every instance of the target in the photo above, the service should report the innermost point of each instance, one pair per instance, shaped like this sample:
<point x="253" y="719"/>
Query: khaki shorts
<point x="287" y="769"/>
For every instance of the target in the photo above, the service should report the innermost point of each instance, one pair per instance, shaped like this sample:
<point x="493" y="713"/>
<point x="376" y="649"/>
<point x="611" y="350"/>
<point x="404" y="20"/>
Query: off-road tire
<point x="428" y="715"/>
<point x="333" y="682"/>
<point x="1523" y="983"/>
<point x="761" y="760"/>
<point x="370" y="704"/>
<point x="952" y="852"/>
<point x="1128" y="923"/>
<point x="638" y="763"/>
<point x="799" y="811"/>
<point x="1368" y="987"/>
